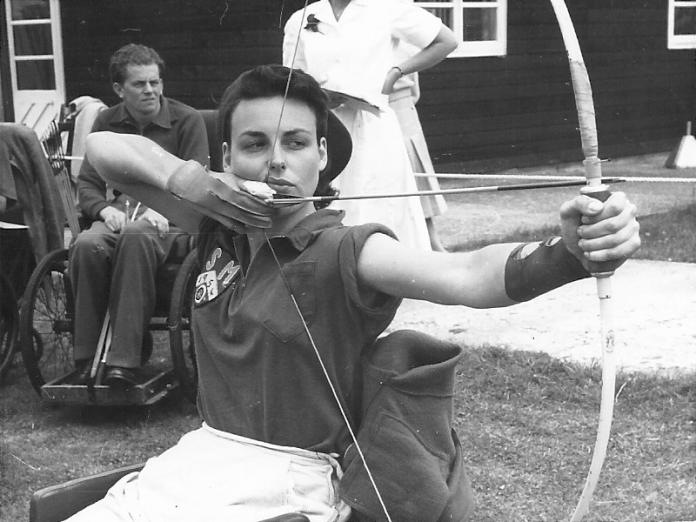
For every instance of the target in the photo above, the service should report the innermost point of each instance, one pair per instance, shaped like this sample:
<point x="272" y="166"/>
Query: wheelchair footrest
<point x="156" y="387"/>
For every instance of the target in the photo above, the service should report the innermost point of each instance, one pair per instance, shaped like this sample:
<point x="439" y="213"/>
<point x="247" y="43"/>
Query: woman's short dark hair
<point x="267" y="81"/>
<point x="133" y="54"/>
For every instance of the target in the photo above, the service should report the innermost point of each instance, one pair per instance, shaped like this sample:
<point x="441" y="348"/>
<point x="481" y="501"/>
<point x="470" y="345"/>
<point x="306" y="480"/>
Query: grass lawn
<point x="527" y="423"/>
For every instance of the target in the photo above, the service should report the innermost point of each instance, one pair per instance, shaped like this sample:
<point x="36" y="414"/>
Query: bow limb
<point x="593" y="173"/>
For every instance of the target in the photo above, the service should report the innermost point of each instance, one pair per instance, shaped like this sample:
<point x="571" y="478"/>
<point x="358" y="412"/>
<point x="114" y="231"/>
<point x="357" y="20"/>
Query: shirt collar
<point x="323" y="11"/>
<point x="163" y="119"/>
<point x="299" y="237"/>
<point x="310" y="227"/>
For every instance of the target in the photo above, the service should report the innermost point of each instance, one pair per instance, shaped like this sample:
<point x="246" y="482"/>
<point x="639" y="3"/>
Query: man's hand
<point x="113" y="218"/>
<point x="600" y="233"/>
<point x="156" y="220"/>
<point x="222" y="199"/>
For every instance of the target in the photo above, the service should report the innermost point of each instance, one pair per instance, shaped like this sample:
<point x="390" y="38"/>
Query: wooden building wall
<point x="520" y="109"/>
<point x="205" y="43"/>
<point x="485" y="113"/>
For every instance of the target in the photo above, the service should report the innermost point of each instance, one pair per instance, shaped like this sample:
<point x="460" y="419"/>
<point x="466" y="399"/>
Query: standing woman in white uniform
<point x="348" y="46"/>
<point x="403" y="101"/>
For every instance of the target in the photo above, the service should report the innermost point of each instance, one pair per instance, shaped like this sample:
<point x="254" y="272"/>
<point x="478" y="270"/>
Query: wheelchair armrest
<point x="56" y="503"/>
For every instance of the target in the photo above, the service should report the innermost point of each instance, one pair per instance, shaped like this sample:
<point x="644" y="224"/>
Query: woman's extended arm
<point x="503" y="274"/>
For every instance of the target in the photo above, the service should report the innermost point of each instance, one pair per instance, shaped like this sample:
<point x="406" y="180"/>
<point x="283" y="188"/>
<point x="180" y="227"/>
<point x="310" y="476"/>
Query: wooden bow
<point x="593" y="173"/>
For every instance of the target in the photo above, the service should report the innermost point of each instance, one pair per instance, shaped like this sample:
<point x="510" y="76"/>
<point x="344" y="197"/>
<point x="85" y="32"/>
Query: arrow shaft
<point x="541" y="177"/>
<point x="289" y="200"/>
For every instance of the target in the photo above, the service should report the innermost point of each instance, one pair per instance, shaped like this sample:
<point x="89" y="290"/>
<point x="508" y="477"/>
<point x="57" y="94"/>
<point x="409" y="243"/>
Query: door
<point x="35" y="54"/>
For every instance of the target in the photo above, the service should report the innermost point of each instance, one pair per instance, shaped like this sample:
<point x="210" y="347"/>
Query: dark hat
<point x="339" y="147"/>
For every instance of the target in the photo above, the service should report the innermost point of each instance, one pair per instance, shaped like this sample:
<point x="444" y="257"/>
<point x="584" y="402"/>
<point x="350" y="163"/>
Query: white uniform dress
<point x="403" y="102"/>
<point x="353" y="55"/>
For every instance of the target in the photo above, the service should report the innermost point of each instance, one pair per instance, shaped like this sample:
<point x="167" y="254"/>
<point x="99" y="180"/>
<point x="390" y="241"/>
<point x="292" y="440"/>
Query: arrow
<point x="283" y="199"/>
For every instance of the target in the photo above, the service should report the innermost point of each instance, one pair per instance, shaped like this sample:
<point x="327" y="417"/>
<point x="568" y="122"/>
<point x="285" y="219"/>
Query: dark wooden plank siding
<point x="486" y="113"/>
<point x="483" y="112"/>
<point x="205" y="43"/>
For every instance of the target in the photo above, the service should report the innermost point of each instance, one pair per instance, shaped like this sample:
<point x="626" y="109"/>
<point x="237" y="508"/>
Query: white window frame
<point x="36" y="108"/>
<point x="679" y="41"/>
<point x="496" y="47"/>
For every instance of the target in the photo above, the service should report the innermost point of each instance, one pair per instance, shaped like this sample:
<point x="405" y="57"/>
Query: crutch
<point x="103" y="345"/>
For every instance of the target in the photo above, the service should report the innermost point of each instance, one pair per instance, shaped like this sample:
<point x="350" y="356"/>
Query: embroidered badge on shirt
<point x="219" y="273"/>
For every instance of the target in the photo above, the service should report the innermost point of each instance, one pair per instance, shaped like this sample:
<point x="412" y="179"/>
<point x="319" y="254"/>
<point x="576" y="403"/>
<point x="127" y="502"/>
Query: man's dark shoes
<point x="83" y="369"/>
<point x="121" y="377"/>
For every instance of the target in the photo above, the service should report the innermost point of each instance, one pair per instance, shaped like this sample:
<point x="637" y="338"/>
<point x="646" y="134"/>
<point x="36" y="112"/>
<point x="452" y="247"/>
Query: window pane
<point x="35" y="75"/>
<point x="685" y="20"/>
<point x="32" y="40"/>
<point x="443" y="13"/>
<point x="30" y="9"/>
<point x="480" y="24"/>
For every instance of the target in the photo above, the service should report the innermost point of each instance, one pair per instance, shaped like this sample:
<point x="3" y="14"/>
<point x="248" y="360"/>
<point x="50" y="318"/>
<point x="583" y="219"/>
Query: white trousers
<point x="211" y="476"/>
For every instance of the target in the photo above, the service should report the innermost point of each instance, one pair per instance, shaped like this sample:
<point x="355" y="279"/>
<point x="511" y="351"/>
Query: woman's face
<point x="290" y="163"/>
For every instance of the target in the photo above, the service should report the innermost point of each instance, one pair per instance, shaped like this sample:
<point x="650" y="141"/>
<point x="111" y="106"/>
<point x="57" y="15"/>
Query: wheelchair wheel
<point x="46" y="321"/>
<point x="9" y="325"/>
<point x="179" y="325"/>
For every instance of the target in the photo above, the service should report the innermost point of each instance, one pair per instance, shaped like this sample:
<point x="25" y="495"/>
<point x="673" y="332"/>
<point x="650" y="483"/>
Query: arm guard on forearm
<point x="548" y="266"/>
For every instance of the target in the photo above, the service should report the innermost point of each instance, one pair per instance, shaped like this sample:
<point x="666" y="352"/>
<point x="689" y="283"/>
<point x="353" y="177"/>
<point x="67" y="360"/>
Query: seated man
<point x="113" y="263"/>
<point x="279" y="347"/>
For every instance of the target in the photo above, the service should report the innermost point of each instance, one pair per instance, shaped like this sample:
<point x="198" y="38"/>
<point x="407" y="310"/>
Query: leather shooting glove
<point x="225" y="201"/>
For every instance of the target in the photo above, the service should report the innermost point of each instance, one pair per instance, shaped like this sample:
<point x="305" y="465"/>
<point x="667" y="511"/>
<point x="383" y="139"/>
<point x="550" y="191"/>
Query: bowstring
<point x="286" y="283"/>
<point x="325" y="371"/>
<point x="287" y="84"/>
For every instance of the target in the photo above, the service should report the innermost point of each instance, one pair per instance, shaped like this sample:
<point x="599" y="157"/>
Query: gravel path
<point x="655" y="330"/>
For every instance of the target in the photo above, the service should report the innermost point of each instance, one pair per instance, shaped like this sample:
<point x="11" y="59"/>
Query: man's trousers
<point x="118" y="271"/>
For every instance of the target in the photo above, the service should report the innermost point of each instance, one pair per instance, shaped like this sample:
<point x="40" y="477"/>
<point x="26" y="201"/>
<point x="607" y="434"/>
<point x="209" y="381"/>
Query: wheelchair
<point x="46" y="319"/>
<point x="46" y="335"/>
<point x="20" y="246"/>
